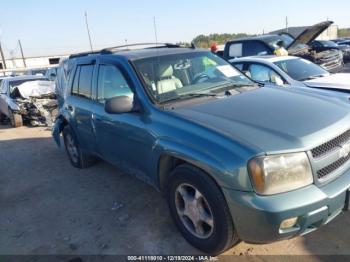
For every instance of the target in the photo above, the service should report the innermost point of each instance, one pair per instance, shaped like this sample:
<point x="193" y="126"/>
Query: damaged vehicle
<point x="330" y="60"/>
<point x="28" y="100"/>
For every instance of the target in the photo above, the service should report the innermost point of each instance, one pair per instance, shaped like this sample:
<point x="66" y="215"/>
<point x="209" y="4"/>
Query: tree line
<point x="206" y="41"/>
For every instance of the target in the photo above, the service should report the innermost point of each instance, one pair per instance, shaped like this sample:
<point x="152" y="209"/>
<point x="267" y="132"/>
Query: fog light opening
<point x="289" y="223"/>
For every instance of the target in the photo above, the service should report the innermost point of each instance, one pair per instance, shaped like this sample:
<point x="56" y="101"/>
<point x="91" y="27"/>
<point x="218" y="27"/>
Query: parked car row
<point x="238" y="157"/>
<point x="303" y="46"/>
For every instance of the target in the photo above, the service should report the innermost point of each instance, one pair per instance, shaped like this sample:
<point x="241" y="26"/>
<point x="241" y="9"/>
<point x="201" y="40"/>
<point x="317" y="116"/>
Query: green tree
<point x="206" y="41"/>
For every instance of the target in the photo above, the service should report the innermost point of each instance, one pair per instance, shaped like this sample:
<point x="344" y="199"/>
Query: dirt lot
<point x="49" y="207"/>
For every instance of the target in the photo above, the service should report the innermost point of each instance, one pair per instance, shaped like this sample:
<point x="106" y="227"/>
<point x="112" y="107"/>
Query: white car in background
<point x="290" y="70"/>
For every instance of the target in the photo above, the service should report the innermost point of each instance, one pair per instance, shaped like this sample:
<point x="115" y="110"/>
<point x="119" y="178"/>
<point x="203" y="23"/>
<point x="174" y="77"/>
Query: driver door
<point x="122" y="139"/>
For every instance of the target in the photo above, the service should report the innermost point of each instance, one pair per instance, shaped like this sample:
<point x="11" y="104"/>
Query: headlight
<point x="280" y="173"/>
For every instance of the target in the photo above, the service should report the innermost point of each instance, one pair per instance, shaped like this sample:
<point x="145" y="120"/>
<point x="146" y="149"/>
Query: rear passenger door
<point x="80" y="105"/>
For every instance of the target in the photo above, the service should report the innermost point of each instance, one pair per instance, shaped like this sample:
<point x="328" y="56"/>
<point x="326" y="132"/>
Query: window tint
<point x="235" y="50"/>
<point x="255" y="48"/>
<point x="263" y="74"/>
<point x="111" y="83"/>
<point x="85" y="80"/>
<point x="75" y="87"/>
<point x="82" y="83"/>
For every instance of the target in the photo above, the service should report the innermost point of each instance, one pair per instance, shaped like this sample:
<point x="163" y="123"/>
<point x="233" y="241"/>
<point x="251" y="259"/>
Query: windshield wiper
<point x="230" y="86"/>
<point x="189" y="95"/>
<point x="312" y="77"/>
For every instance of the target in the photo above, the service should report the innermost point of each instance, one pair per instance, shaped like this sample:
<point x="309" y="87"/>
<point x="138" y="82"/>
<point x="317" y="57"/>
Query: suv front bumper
<point x="258" y="219"/>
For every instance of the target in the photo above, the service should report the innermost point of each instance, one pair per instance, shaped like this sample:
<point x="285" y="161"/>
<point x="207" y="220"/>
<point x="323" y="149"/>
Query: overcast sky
<point x="55" y="27"/>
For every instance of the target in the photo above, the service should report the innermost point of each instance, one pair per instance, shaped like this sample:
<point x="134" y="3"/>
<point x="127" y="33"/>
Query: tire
<point x="15" y="119"/>
<point x="211" y="205"/>
<point x="77" y="157"/>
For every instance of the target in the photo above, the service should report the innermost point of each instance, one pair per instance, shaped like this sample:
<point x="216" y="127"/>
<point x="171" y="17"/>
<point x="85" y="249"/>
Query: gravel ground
<point x="49" y="207"/>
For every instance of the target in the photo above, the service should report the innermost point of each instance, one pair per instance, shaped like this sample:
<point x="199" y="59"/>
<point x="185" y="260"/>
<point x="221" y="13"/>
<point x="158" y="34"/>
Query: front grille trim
<point x="325" y="172"/>
<point x="326" y="148"/>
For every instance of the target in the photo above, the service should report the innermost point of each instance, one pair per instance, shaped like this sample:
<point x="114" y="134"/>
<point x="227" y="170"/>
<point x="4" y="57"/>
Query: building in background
<point x="17" y="64"/>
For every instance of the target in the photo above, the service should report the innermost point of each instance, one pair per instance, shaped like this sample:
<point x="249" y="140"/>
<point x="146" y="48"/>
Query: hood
<point x="339" y="82"/>
<point x="36" y="88"/>
<point x="272" y="120"/>
<point x="309" y="34"/>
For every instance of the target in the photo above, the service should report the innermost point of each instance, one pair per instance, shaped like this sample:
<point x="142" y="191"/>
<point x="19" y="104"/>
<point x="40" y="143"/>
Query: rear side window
<point x="82" y="83"/>
<point x="235" y="50"/>
<point x="252" y="48"/>
<point x="111" y="83"/>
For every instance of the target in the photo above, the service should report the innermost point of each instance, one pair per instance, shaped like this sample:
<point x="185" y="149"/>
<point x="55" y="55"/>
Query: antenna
<point x="88" y="30"/>
<point x="287" y="24"/>
<point x="155" y="29"/>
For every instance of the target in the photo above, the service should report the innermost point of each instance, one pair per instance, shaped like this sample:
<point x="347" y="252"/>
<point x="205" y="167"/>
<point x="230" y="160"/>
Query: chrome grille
<point x="325" y="148"/>
<point x="332" y="167"/>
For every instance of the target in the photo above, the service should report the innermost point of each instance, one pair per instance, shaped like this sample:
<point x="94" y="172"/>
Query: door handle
<point x="69" y="107"/>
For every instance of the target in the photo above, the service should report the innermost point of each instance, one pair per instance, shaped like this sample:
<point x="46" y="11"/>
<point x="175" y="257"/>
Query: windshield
<point x="172" y="77"/>
<point x="301" y="69"/>
<point x="328" y="43"/>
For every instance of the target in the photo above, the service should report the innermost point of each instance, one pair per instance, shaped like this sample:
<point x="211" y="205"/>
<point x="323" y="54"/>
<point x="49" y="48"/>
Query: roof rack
<point x="147" y="46"/>
<point x="111" y="50"/>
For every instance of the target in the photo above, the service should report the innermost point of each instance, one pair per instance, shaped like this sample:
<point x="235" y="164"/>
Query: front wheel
<point x="199" y="210"/>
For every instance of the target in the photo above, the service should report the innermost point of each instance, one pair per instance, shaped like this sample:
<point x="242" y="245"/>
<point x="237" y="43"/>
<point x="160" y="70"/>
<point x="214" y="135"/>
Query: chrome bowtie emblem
<point x="344" y="150"/>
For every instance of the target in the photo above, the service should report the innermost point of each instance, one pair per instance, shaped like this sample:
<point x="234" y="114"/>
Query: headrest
<point x="166" y="71"/>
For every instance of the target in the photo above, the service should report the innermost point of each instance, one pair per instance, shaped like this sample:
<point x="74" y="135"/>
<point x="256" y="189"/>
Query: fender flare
<point x="194" y="156"/>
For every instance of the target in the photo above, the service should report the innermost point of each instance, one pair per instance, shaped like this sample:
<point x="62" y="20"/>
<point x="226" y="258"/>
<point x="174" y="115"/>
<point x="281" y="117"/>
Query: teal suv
<point x="235" y="160"/>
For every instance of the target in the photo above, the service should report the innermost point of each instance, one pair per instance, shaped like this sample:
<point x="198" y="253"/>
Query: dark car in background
<point x="325" y="45"/>
<point x="331" y="60"/>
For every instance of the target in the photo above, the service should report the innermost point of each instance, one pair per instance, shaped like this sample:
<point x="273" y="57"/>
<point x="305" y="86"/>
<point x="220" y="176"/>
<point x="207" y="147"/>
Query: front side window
<point x="301" y="69"/>
<point x="263" y="73"/>
<point x="169" y="77"/>
<point x="111" y="83"/>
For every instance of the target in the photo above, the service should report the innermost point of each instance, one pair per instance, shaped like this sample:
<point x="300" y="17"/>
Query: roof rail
<point x="149" y="45"/>
<point x="85" y="54"/>
<point x="110" y="50"/>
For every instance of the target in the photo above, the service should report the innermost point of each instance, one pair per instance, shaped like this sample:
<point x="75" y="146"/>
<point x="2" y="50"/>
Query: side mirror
<point x="119" y="105"/>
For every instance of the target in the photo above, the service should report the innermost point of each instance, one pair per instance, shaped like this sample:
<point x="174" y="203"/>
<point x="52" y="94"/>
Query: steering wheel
<point x="200" y="78"/>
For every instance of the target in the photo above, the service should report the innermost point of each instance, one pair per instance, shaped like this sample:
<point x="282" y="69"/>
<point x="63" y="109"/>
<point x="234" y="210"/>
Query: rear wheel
<point x="16" y="119"/>
<point x="77" y="157"/>
<point x="199" y="210"/>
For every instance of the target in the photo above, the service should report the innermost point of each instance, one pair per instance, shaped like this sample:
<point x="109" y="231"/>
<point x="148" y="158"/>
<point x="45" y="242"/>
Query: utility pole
<point x="20" y="47"/>
<point x="3" y="57"/>
<point x="287" y="24"/>
<point x="88" y="30"/>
